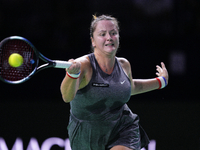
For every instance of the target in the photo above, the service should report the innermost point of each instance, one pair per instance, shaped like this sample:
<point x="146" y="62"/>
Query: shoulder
<point x="85" y="63"/>
<point x="125" y="64"/>
<point x="83" y="59"/>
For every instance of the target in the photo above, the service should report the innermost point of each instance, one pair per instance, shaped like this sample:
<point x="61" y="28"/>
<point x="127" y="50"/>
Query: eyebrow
<point x="105" y="30"/>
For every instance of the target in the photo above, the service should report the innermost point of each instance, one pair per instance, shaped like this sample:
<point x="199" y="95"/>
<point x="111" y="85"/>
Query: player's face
<point x="106" y="37"/>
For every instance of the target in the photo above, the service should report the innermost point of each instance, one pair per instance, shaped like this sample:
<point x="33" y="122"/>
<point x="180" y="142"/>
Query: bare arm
<point x="144" y="85"/>
<point x="70" y="86"/>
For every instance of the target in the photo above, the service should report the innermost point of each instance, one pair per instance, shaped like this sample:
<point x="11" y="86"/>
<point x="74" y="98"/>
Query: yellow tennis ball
<point x="15" y="60"/>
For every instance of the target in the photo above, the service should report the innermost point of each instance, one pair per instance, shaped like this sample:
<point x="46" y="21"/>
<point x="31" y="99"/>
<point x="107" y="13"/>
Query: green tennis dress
<point x="99" y="115"/>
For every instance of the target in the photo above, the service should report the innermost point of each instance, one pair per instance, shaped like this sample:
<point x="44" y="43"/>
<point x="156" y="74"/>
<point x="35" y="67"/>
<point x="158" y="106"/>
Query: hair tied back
<point x="94" y="17"/>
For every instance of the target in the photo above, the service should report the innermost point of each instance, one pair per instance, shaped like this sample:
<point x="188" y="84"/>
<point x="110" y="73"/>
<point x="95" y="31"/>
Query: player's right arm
<point x="70" y="86"/>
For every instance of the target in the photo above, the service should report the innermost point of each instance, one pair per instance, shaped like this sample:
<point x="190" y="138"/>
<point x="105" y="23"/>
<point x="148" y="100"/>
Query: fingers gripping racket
<point x="31" y="57"/>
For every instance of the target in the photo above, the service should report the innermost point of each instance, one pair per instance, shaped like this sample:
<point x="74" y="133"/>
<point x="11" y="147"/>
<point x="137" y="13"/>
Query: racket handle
<point x="62" y="64"/>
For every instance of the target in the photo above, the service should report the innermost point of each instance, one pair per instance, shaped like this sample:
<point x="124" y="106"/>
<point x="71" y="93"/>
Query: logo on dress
<point x="100" y="84"/>
<point x="123" y="82"/>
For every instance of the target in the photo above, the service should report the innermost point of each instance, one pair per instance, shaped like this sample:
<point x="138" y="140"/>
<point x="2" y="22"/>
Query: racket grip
<point x="62" y="64"/>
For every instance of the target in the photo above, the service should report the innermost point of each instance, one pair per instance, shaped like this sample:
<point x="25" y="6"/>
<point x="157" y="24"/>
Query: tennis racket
<point x="31" y="57"/>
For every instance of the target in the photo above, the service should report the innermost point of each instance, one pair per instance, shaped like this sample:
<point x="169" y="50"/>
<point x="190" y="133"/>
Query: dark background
<point x="150" y="32"/>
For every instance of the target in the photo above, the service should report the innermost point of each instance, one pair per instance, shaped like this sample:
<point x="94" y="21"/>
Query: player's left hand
<point x="162" y="71"/>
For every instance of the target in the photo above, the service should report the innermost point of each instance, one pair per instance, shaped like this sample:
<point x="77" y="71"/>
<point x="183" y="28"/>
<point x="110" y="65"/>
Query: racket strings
<point x="26" y="51"/>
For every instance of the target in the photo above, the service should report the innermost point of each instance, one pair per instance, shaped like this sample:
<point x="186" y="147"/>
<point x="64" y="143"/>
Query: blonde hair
<point x="94" y="17"/>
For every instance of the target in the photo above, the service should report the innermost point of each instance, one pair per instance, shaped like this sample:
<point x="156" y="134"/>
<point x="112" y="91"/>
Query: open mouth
<point x="110" y="44"/>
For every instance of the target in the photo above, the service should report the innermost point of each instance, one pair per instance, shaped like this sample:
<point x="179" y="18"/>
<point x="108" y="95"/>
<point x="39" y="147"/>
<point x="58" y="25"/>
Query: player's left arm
<point x="145" y="85"/>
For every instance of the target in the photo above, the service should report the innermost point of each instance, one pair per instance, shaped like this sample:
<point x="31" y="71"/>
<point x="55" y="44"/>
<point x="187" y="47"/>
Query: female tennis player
<point x="98" y="86"/>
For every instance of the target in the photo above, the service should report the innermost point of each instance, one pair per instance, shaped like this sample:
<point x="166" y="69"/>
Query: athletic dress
<point x="99" y="115"/>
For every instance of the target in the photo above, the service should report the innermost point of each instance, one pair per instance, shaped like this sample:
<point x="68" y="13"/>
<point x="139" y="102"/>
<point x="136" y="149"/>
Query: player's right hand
<point x="75" y="67"/>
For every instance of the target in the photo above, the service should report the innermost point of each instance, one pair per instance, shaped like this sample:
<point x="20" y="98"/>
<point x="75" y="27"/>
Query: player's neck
<point x="106" y="63"/>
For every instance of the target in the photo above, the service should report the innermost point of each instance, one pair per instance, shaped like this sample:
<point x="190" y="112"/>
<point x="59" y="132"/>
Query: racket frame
<point x="48" y="62"/>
